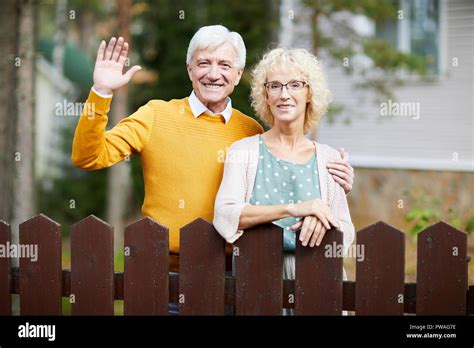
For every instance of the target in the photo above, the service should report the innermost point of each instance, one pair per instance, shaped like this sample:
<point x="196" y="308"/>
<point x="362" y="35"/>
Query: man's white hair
<point x="211" y="37"/>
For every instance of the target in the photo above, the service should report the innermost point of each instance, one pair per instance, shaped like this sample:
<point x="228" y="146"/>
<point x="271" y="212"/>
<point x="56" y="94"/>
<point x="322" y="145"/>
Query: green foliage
<point x="428" y="210"/>
<point x="387" y="58"/>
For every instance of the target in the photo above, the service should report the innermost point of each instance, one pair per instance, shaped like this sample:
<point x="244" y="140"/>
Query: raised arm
<point x="93" y="147"/>
<point x="109" y="64"/>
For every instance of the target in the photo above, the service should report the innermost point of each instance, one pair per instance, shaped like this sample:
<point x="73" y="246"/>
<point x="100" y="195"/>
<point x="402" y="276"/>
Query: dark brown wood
<point x="40" y="279"/>
<point x="470" y="300"/>
<point x="66" y="282"/>
<point x="5" y="266"/>
<point x="288" y="288"/>
<point x="380" y="270"/>
<point x="318" y="283"/>
<point x="349" y="287"/>
<point x="442" y="271"/>
<point x="409" y="302"/>
<point x="348" y="296"/>
<point x="288" y="293"/>
<point x="92" y="267"/>
<point x="146" y="269"/>
<point x="118" y="286"/>
<point x="259" y="263"/>
<point x="201" y="270"/>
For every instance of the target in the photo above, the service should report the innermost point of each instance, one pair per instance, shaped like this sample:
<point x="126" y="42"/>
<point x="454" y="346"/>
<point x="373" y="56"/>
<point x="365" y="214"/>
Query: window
<point x="417" y="32"/>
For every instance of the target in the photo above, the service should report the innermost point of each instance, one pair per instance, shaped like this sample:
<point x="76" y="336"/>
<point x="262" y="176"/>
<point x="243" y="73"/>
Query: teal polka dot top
<point x="282" y="182"/>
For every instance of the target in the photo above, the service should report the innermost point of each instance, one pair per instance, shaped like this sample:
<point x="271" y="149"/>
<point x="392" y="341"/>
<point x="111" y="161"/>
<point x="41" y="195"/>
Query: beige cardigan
<point x="239" y="177"/>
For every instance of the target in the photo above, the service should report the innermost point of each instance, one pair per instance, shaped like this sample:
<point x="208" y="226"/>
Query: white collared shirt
<point x="198" y="108"/>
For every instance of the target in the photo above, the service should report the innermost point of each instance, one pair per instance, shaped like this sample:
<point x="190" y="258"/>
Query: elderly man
<point x="180" y="141"/>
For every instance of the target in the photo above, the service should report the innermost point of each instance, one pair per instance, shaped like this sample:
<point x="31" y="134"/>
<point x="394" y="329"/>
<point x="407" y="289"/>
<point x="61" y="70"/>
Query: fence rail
<point x="257" y="287"/>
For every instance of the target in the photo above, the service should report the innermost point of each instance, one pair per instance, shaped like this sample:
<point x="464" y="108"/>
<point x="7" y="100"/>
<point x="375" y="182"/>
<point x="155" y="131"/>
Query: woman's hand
<point x="342" y="172"/>
<point x="317" y="208"/>
<point x="108" y="71"/>
<point x="312" y="231"/>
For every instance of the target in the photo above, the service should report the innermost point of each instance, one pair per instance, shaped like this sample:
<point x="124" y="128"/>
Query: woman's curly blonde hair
<point x="308" y="65"/>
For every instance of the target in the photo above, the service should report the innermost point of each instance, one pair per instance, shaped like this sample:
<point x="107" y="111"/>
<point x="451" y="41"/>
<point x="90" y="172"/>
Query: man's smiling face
<point x="214" y="74"/>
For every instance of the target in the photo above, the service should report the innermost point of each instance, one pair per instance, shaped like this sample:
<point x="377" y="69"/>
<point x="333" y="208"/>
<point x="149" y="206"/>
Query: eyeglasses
<point x="275" y="87"/>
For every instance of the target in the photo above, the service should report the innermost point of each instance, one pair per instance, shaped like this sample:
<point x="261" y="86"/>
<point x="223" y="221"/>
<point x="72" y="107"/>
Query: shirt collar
<point x="198" y="108"/>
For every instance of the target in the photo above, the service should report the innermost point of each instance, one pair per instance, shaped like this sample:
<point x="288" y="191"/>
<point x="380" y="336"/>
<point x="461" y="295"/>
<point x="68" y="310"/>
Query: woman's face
<point x="287" y="104"/>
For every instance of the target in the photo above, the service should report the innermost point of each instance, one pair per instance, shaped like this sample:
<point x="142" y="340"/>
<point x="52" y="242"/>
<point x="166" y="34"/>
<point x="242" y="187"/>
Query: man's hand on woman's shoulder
<point x="342" y="171"/>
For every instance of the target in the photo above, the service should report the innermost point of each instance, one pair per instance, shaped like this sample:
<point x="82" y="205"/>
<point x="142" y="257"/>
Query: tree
<point x="23" y="186"/>
<point x="9" y="17"/>
<point x="119" y="175"/>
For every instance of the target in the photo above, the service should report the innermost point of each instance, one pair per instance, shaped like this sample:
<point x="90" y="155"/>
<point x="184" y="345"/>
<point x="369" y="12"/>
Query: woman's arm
<point x="253" y="215"/>
<point x="230" y="199"/>
<point x="232" y="214"/>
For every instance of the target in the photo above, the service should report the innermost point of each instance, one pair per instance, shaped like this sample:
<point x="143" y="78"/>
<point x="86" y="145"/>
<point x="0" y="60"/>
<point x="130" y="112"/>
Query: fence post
<point x="441" y="271"/>
<point x="146" y="289"/>
<point x="92" y="267"/>
<point x="381" y="273"/>
<point x="201" y="270"/>
<point x="41" y="279"/>
<point x="318" y="283"/>
<point x="259" y="262"/>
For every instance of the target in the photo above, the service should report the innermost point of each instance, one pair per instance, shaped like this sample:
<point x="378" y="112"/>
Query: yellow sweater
<point x="182" y="156"/>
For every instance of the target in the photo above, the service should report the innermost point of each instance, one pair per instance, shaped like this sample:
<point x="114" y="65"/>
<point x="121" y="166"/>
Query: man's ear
<point x="188" y="68"/>
<point x="239" y="76"/>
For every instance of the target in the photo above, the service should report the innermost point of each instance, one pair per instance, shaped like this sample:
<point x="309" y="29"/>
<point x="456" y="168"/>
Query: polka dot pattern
<point x="279" y="182"/>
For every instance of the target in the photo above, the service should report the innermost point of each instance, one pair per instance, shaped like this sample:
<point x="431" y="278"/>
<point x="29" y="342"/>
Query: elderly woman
<point x="281" y="176"/>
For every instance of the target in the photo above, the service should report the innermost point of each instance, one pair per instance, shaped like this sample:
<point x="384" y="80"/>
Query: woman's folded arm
<point x="230" y="199"/>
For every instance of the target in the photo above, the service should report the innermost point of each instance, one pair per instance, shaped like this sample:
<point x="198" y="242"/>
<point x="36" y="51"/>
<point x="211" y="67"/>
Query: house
<point x="420" y="145"/>
<point x="56" y="95"/>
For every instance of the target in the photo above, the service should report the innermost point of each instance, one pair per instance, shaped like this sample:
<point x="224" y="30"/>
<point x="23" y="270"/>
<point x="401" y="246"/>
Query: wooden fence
<point x="203" y="288"/>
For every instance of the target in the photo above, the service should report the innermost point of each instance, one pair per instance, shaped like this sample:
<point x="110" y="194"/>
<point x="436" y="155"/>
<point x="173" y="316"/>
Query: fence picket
<point x="441" y="271"/>
<point x="318" y="284"/>
<point x="41" y="279"/>
<point x="380" y="273"/>
<point x="258" y="263"/>
<point x="92" y="267"/>
<point x="201" y="270"/>
<point x="146" y="289"/>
